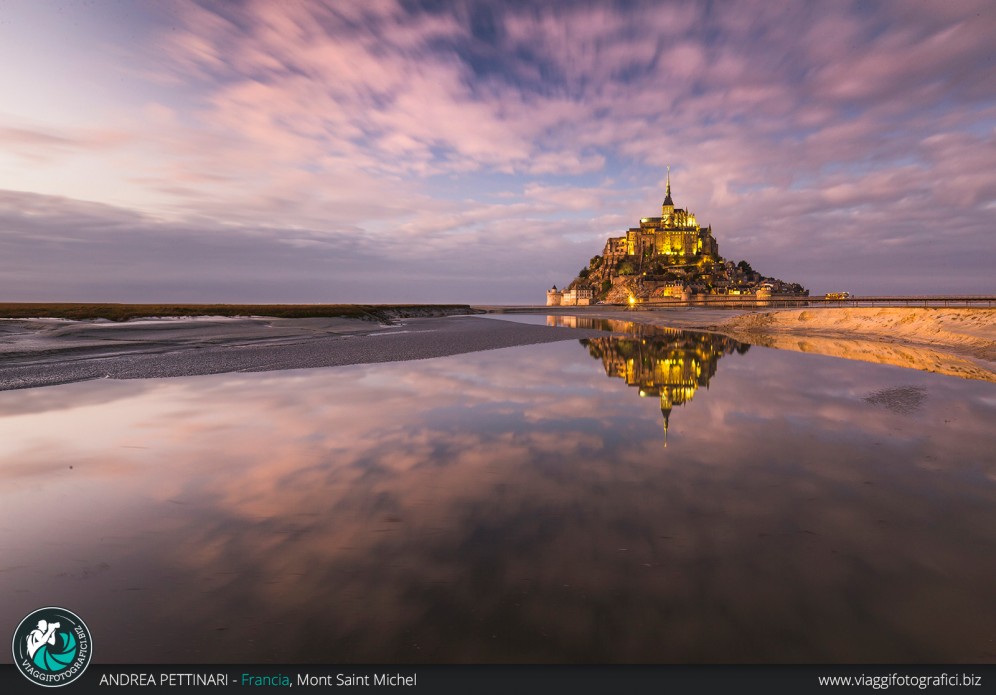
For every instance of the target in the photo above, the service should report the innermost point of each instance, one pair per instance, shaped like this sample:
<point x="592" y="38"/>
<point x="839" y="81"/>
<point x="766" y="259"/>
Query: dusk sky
<point x="434" y="151"/>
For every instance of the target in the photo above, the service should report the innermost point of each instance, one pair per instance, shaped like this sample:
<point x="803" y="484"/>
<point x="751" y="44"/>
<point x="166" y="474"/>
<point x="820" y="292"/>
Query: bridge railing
<point x="748" y="301"/>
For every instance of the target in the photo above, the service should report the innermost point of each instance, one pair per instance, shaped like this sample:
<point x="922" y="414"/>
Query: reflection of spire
<point x="666" y="412"/>
<point x="668" y="363"/>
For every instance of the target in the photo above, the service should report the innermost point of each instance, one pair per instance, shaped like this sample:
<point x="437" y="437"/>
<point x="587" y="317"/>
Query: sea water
<point x="649" y="496"/>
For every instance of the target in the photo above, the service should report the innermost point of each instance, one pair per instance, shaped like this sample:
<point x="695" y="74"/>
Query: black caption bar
<point x="517" y="680"/>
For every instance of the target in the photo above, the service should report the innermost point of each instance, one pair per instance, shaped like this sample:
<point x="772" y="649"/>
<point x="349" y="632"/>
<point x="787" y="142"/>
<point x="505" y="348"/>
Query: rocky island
<point x="670" y="256"/>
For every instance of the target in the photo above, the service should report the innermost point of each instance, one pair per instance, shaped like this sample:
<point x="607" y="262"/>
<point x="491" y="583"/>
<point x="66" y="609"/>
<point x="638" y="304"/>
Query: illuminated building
<point x="667" y="258"/>
<point x="674" y="238"/>
<point x="577" y="296"/>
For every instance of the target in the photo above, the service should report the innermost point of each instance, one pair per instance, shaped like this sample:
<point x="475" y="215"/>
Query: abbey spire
<point x="667" y="208"/>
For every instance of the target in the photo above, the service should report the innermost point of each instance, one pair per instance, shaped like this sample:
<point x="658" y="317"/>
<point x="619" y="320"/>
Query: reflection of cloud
<point x="516" y="505"/>
<point x="44" y="400"/>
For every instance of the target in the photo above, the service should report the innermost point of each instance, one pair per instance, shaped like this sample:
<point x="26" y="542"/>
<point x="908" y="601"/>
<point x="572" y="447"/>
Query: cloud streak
<point x="817" y="140"/>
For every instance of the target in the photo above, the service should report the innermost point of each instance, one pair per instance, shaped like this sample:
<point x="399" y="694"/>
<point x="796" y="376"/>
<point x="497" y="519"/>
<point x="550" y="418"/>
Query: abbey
<point x="670" y="256"/>
<point x="674" y="238"/>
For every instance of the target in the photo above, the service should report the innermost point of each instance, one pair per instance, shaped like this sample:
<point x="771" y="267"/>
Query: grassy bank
<point x="124" y="312"/>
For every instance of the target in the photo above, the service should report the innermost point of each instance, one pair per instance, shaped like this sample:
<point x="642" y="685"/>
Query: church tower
<point x="667" y="208"/>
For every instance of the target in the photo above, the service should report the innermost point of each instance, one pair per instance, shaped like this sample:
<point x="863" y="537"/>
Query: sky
<point x="433" y="151"/>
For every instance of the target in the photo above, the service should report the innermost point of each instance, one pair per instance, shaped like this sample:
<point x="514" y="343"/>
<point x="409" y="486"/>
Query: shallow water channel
<point x="648" y="496"/>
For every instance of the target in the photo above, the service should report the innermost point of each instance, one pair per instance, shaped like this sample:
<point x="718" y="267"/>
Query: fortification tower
<point x="554" y="297"/>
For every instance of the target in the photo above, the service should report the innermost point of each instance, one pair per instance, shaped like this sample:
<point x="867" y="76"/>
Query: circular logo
<point x="52" y="647"/>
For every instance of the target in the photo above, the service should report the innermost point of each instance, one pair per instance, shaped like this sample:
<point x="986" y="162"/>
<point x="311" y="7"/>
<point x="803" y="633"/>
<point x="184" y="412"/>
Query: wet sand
<point x="969" y="332"/>
<point x="46" y="352"/>
<point x="953" y="341"/>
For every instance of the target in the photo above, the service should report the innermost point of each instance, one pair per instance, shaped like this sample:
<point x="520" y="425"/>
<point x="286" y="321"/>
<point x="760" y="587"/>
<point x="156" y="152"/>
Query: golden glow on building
<point x="667" y="363"/>
<point x="675" y="237"/>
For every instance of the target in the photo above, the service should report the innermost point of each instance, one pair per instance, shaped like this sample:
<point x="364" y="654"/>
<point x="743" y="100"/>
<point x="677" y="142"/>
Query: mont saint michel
<point x="666" y="256"/>
<point x="284" y="398"/>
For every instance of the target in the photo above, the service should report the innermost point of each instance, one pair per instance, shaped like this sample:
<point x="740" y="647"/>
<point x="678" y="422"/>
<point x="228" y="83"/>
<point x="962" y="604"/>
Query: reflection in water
<point x="511" y="506"/>
<point x="611" y="325"/>
<point x="665" y="362"/>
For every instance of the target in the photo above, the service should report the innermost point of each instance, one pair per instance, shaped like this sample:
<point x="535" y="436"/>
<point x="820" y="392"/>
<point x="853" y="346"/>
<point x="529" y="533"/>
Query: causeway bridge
<point x="750" y="301"/>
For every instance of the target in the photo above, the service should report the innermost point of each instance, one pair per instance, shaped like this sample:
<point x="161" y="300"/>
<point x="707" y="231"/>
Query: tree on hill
<point x="625" y="268"/>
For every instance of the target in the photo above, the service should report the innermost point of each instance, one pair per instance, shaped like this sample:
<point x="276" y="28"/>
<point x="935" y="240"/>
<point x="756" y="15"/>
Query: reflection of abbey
<point x="666" y="363"/>
<point x="666" y="256"/>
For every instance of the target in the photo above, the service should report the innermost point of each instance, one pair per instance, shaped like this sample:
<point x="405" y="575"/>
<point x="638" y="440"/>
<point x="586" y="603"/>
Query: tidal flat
<point x="623" y="493"/>
<point x="44" y="352"/>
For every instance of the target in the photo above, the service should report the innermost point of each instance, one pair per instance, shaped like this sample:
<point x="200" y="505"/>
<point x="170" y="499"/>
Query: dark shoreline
<point x="81" y="311"/>
<point x="60" y="353"/>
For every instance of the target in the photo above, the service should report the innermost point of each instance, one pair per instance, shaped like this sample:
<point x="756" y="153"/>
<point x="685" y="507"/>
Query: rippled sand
<point x="954" y="341"/>
<point x="957" y="342"/>
<point x="972" y="331"/>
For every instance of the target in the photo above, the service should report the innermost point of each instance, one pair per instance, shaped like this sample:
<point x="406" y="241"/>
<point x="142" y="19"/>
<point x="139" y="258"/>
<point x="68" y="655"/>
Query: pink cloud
<point x="383" y="120"/>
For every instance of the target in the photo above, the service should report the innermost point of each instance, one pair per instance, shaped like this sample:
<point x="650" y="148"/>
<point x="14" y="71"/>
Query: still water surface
<point x="650" y="496"/>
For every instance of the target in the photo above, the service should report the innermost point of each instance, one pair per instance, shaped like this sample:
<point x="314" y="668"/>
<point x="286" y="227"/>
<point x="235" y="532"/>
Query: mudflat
<point x="43" y="352"/>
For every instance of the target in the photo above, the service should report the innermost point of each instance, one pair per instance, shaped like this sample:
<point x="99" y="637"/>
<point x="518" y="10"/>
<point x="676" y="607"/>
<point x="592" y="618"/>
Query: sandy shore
<point x="954" y="341"/>
<point x="967" y="331"/>
<point x="957" y="342"/>
<point x="43" y="352"/>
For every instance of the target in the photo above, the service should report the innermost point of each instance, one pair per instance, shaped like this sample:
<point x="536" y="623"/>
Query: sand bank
<point x="967" y="331"/>
<point x="957" y="342"/>
<point x="47" y="352"/>
<point x="954" y="341"/>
